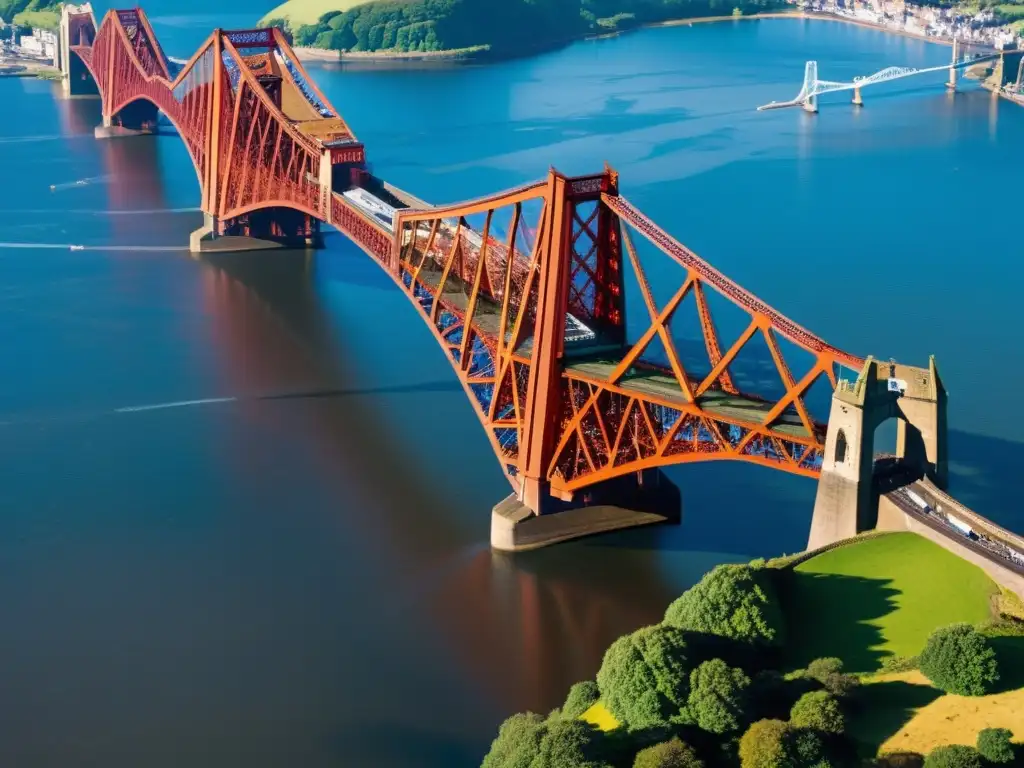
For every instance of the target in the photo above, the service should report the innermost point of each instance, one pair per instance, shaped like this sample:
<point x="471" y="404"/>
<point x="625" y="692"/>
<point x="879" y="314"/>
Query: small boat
<point x="53" y="187"/>
<point x="77" y="247"/>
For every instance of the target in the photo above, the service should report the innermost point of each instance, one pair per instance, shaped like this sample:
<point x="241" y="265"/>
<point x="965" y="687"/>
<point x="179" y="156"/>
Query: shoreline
<point x="480" y="53"/>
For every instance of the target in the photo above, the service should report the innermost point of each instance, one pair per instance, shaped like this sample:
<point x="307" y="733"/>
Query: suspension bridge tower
<point x="951" y="85"/>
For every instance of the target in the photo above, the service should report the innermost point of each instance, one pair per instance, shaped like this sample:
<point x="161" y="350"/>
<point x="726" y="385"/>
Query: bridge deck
<point x="715" y="402"/>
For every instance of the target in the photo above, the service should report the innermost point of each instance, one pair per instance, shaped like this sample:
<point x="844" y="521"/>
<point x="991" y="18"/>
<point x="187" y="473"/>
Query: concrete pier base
<point x="515" y="527"/>
<point x="621" y="503"/>
<point x="119" y="132"/>
<point x="858" y="101"/>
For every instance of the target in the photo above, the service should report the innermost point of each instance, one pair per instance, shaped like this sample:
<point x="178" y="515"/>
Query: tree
<point x="953" y="756"/>
<point x="959" y="659"/>
<point x="668" y="754"/>
<point x="767" y="744"/>
<point x="994" y="745"/>
<point x="734" y="601"/>
<point x="819" y="710"/>
<point x="717" y="700"/>
<point x="529" y="741"/>
<point x="582" y="696"/>
<point x="517" y="743"/>
<point x="778" y="744"/>
<point x="567" y="744"/>
<point x="644" y="678"/>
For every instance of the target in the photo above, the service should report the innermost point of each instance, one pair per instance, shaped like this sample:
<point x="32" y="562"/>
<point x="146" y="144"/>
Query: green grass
<point x="880" y="597"/>
<point x="298" y="12"/>
<point x="43" y="19"/>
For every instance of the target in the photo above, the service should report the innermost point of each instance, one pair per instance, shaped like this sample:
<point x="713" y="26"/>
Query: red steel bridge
<point x="524" y="289"/>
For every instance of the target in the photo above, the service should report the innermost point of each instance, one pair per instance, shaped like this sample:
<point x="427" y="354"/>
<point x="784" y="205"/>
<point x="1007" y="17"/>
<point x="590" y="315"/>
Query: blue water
<point x="308" y="579"/>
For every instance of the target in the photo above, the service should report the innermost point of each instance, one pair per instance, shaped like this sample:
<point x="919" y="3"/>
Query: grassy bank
<point x="819" y="649"/>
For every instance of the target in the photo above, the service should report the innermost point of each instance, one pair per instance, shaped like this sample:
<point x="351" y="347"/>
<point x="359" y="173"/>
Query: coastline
<point x="481" y="52"/>
<point x="799" y="15"/>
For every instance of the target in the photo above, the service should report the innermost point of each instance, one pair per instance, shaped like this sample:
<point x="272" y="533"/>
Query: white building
<point x="41" y="43"/>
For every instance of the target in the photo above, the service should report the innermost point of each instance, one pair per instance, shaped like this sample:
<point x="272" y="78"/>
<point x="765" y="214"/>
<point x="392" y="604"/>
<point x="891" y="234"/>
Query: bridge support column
<point x="810" y="104"/>
<point x="260" y="230"/>
<point x="847" y="500"/>
<point x="857" y="100"/>
<point x="643" y="498"/>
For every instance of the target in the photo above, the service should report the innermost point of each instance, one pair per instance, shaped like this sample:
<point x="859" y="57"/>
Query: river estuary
<point x="296" y="570"/>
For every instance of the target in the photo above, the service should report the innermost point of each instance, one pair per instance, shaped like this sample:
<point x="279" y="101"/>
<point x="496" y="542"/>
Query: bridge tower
<point x="951" y="85"/>
<point x="810" y="96"/>
<point x="77" y="28"/>
<point x="845" y="503"/>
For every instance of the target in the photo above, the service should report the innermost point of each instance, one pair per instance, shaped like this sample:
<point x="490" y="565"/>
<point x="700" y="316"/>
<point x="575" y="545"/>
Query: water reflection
<point x="527" y="626"/>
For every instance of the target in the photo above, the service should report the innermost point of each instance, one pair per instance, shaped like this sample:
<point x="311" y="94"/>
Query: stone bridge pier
<point x="847" y="501"/>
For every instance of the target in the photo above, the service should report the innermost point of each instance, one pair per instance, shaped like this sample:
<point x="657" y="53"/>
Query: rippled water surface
<point x="265" y="580"/>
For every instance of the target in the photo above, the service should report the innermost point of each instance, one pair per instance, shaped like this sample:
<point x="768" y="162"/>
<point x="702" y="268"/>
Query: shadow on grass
<point x="1010" y="653"/>
<point x="829" y="615"/>
<point x="883" y="709"/>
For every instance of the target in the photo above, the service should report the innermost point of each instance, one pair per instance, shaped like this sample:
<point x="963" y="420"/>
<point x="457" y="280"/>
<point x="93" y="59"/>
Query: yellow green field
<point x="903" y="713"/>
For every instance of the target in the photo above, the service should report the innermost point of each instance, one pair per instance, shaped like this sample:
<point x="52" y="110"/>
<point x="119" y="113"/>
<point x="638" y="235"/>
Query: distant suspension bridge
<point x="813" y="87"/>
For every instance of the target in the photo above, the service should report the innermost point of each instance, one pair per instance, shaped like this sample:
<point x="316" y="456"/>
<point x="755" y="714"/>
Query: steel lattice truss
<point x="525" y="290"/>
<point x="247" y="154"/>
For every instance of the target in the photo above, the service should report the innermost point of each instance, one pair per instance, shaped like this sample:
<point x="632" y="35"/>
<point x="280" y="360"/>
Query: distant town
<point x="981" y="28"/>
<point x="24" y="54"/>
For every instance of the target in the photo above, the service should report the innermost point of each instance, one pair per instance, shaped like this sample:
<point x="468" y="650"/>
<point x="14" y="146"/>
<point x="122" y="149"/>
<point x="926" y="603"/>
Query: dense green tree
<point x="644" y="678"/>
<point x="529" y="741"/>
<point x="717" y="699"/>
<point x="953" y="756"/>
<point x="508" y="27"/>
<point x="582" y="696"/>
<point x="668" y="754"/>
<point x="517" y="743"/>
<point x="959" y="659"/>
<point x="819" y="710"/>
<point x="734" y="601"/>
<point x="994" y="745"/>
<point x="778" y="744"/>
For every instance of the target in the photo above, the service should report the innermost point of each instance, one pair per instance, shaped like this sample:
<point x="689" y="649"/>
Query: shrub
<point x="819" y="710"/>
<point x="668" y="754"/>
<point x="900" y="760"/>
<point x="734" y="601"/>
<point x="644" y="678"/>
<point x="953" y="756"/>
<point x="717" y="698"/>
<point x="807" y="748"/>
<point x="582" y="696"/>
<point x="840" y="684"/>
<point x="900" y="663"/>
<point x="820" y="669"/>
<point x="994" y="745"/>
<point x="959" y="659"/>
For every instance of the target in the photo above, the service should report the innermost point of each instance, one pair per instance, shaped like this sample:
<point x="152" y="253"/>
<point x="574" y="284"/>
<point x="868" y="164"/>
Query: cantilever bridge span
<point x="524" y="290"/>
